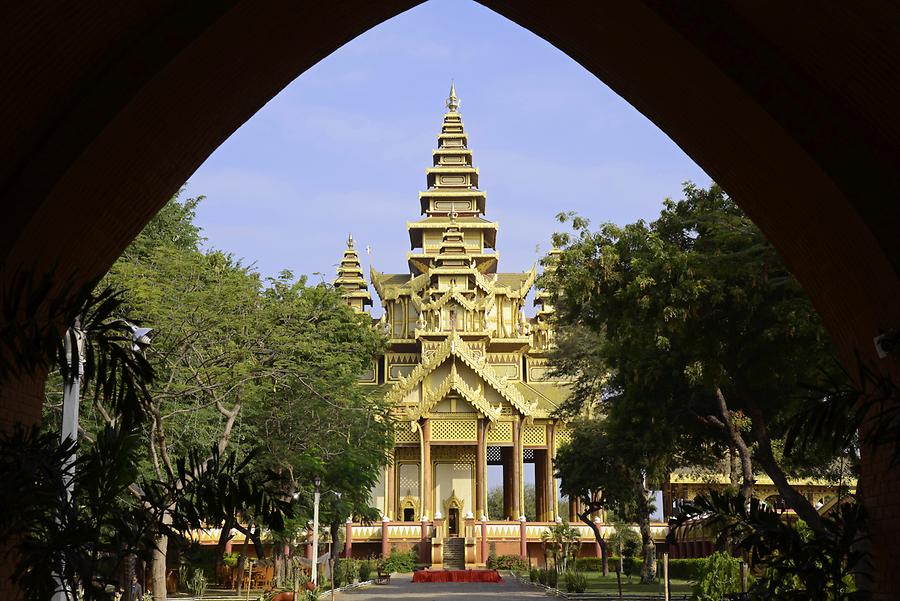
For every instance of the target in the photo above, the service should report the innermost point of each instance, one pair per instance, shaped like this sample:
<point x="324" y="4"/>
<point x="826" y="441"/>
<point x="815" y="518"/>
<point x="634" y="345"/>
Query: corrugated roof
<point x="549" y="395"/>
<point x="512" y="280"/>
<point x="394" y="279"/>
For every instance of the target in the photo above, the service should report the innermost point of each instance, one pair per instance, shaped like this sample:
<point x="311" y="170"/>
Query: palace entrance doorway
<point x="453" y="522"/>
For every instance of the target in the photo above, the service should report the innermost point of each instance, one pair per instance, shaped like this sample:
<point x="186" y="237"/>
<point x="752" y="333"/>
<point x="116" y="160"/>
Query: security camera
<point x="887" y="344"/>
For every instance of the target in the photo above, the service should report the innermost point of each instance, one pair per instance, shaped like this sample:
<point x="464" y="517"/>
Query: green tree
<point x="607" y="466"/>
<point x="720" y="576"/>
<point x="624" y="540"/>
<point x="243" y="363"/>
<point x="495" y="503"/>
<point x="319" y="421"/>
<point x="562" y="542"/>
<point x="697" y="322"/>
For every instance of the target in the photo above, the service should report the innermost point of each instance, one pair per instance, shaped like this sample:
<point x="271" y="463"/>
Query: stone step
<point x="455" y="553"/>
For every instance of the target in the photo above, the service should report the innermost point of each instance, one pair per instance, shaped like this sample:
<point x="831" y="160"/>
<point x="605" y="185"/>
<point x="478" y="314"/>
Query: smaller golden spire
<point x="452" y="101"/>
<point x="350" y="240"/>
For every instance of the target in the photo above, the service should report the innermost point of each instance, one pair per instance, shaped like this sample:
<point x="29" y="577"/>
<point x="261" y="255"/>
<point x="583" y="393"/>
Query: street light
<point x="74" y="350"/>
<point x="315" y="557"/>
<point x="315" y="541"/>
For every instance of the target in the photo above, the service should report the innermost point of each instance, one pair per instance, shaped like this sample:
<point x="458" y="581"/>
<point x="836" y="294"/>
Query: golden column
<point x="427" y="492"/>
<point x="551" y="460"/>
<point x="390" y="496"/>
<point x="480" y="469"/>
<point x="518" y="468"/>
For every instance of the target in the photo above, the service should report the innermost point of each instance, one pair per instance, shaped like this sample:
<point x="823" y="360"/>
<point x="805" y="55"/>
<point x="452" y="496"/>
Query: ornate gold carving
<point x="500" y="432"/>
<point x="453" y="381"/>
<point x="405" y="435"/>
<point x="562" y="436"/>
<point x="457" y="454"/>
<point x="410" y="502"/>
<point x="453" y="502"/>
<point x="534" y="435"/>
<point x="407" y="453"/>
<point x="454" y="430"/>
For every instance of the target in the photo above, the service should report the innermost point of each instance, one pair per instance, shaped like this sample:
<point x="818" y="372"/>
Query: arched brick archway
<point x="108" y="107"/>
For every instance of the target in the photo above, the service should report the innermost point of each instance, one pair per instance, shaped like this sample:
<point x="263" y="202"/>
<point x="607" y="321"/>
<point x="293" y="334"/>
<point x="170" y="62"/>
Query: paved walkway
<point x="402" y="587"/>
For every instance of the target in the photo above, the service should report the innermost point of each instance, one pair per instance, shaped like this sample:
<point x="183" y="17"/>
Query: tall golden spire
<point x="452" y="101"/>
<point x="350" y="281"/>
<point x="453" y="232"/>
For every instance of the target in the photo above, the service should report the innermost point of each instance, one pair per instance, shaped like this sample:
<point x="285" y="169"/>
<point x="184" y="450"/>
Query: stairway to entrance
<point x="454" y="553"/>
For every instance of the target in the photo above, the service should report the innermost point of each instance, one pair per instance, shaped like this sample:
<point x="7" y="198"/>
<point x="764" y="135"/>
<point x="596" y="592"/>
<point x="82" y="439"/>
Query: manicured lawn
<point x="596" y="582"/>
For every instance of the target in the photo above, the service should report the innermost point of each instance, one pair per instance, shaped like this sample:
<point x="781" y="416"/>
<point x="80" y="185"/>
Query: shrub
<point x="720" y="576"/>
<point x="197" y="583"/>
<point x="542" y="576"/>
<point x="552" y="578"/>
<point x="507" y="562"/>
<point x="686" y="569"/>
<point x="398" y="561"/>
<point x="628" y="566"/>
<point x="533" y="574"/>
<point x="352" y="570"/>
<point x="365" y="569"/>
<point x="230" y="559"/>
<point x="590" y="564"/>
<point x="575" y="583"/>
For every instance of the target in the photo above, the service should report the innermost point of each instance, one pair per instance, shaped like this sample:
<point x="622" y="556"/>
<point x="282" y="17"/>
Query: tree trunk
<point x="648" y="570"/>
<point x="335" y="528"/>
<point x="793" y="499"/>
<point x="158" y="569"/>
<point x="278" y="570"/>
<point x="621" y="562"/>
<point x="598" y="536"/>
<point x="734" y="466"/>
<point x="129" y="573"/>
<point x="242" y="560"/>
<point x="736" y="440"/>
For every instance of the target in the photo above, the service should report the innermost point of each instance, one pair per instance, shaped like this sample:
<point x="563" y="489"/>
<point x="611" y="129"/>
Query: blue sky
<point x="345" y="146"/>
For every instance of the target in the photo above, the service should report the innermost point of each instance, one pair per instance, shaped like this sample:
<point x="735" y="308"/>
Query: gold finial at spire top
<point x="452" y="101"/>
<point x="349" y="240"/>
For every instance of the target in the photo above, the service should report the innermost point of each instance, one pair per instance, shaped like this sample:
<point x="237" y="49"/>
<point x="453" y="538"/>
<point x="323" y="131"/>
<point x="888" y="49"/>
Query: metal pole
<point x="666" y="576"/>
<point x="315" y="552"/>
<point x="71" y="399"/>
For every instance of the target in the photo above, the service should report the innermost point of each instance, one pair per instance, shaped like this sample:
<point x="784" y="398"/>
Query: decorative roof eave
<point x="454" y="345"/>
<point x="453" y="381"/>
<point x="451" y="150"/>
<point x="482" y="282"/>
<point x="405" y="384"/>
<point x="453" y="192"/>
<point x="529" y="281"/>
<point x="440" y="225"/>
<point x="453" y="168"/>
<point x="393" y="291"/>
<point x="500" y="384"/>
<point x="453" y="294"/>
<point x="376" y="281"/>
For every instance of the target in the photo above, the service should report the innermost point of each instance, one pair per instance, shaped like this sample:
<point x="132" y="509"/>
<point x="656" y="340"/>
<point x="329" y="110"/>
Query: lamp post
<point x="315" y="551"/>
<point x="74" y="350"/>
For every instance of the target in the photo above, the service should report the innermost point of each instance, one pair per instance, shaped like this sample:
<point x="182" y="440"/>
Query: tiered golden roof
<point x="461" y="321"/>
<point x="350" y="280"/>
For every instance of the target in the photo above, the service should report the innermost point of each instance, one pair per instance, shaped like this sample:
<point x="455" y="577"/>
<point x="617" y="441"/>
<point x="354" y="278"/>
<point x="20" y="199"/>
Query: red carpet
<point x="457" y="576"/>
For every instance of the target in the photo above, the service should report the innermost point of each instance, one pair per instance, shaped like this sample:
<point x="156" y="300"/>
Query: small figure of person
<point x="137" y="592"/>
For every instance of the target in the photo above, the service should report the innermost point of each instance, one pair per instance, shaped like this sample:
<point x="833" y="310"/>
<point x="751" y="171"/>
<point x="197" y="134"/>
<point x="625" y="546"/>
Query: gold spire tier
<point x="350" y="280"/>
